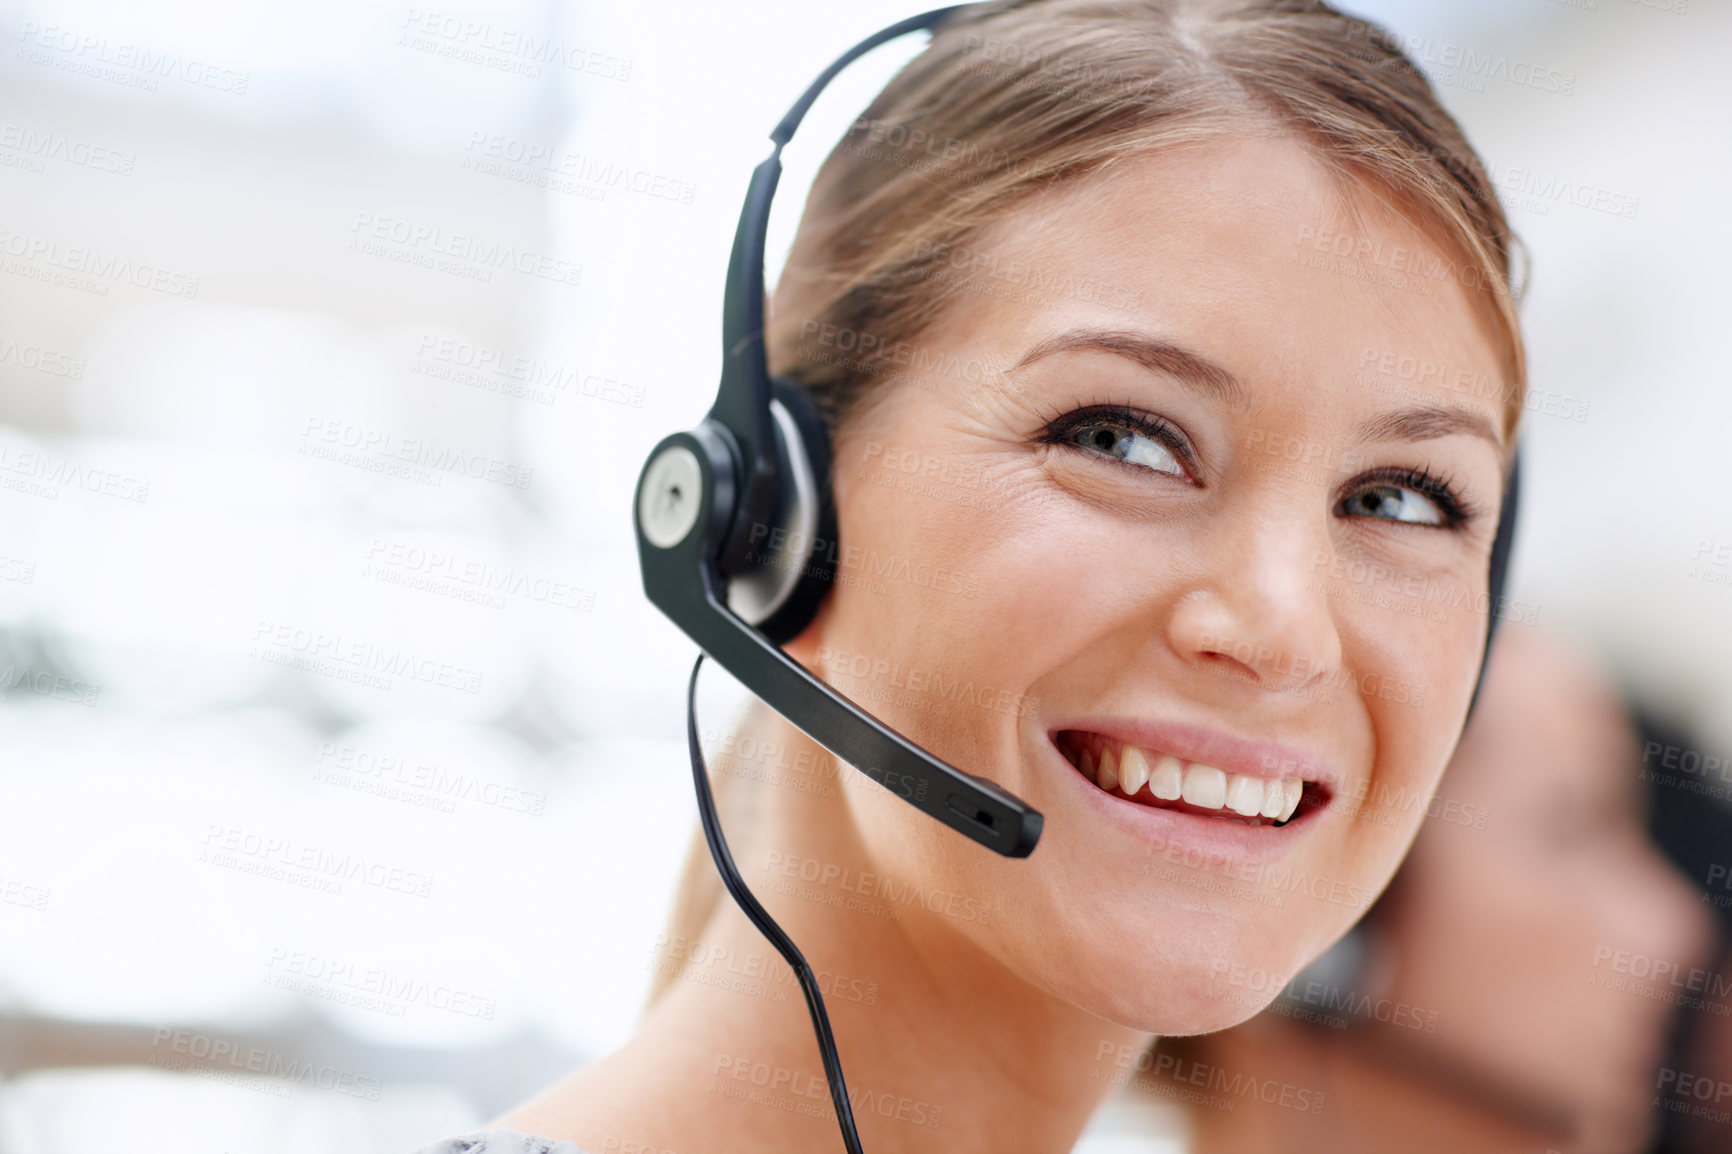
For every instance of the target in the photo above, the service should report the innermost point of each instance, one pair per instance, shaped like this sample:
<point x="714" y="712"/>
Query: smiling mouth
<point x="1162" y="781"/>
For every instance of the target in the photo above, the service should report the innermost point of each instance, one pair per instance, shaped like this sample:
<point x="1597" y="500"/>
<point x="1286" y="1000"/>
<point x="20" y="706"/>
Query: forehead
<point x="1252" y="246"/>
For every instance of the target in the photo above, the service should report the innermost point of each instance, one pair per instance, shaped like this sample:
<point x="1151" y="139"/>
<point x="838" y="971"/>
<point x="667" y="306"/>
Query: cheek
<point x="1415" y="626"/>
<point x="956" y="571"/>
<point x="1413" y="665"/>
<point x="921" y="624"/>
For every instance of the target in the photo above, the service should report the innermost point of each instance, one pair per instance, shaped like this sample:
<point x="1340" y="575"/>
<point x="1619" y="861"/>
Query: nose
<point x="1260" y="615"/>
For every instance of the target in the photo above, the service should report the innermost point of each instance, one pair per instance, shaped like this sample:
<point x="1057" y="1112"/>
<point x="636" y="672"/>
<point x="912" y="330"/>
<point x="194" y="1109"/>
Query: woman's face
<point x="1220" y="498"/>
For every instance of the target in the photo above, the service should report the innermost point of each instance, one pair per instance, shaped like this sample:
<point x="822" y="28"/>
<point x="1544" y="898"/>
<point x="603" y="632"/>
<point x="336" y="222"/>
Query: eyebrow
<point x="1419" y="423"/>
<point x="1161" y="356"/>
<point x="1426" y="423"/>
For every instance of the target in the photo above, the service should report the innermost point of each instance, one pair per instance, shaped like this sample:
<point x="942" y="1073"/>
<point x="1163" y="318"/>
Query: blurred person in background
<point x="1490" y="1001"/>
<point x="1692" y="819"/>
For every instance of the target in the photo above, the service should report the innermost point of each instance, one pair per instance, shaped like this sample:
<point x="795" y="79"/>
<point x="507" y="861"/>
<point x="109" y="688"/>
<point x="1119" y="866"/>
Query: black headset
<point x="730" y="517"/>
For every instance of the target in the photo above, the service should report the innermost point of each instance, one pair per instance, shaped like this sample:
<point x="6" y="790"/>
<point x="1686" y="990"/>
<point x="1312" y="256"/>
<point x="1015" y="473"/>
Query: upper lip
<point x="1270" y="760"/>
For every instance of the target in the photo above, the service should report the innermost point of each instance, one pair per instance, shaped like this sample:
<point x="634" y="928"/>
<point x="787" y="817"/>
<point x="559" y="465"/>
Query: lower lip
<point x="1187" y="834"/>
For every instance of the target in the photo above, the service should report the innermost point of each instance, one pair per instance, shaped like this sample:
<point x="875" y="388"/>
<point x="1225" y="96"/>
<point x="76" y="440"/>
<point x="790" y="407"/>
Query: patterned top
<point x="499" y="1142"/>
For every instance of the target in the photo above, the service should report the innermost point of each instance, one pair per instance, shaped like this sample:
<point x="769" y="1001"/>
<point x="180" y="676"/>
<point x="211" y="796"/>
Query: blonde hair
<point x="1012" y="99"/>
<point x="1006" y="104"/>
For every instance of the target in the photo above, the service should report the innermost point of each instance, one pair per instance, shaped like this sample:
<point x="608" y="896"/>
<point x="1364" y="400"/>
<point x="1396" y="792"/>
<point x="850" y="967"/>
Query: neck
<point x="942" y="1046"/>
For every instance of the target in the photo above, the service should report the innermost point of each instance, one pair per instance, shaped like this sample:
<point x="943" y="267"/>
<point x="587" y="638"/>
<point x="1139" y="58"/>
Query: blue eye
<point x="1394" y="503"/>
<point x="1408" y="496"/>
<point x="1126" y="444"/>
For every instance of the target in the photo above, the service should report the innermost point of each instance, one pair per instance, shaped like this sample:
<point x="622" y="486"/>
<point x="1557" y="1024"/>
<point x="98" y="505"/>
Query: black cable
<point x="766" y="924"/>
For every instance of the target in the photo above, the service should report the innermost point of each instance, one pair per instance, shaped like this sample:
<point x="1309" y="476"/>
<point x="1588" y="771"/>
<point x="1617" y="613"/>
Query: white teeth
<point x="1204" y="786"/>
<point x="1108" y="770"/>
<point x="1245" y="795"/>
<point x="1294" y="789"/>
<point x="1133" y="770"/>
<point x="1166" y="779"/>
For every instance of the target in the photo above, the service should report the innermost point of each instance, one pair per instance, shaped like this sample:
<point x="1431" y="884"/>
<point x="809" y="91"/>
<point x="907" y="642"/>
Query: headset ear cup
<point x="1499" y="569"/>
<point x="818" y="558"/>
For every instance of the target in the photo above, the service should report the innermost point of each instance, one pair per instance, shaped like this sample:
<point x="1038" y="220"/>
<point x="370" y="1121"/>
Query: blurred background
<point x="332" y="338"/>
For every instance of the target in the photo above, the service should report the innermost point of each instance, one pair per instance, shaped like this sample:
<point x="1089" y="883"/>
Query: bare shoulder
<point x="500" y="1142"/>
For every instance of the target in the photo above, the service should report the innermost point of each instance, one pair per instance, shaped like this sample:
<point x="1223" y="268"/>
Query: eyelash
<point x="1059" y="428"/>
<point x="1441" y="490"/>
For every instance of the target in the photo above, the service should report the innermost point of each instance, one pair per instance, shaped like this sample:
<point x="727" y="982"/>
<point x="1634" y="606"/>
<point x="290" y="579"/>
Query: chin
<point x="1168" y="964"/>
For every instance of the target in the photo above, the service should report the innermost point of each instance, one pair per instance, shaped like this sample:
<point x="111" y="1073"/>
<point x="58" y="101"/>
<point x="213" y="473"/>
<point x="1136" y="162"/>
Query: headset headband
<point x="743" y="400"/>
